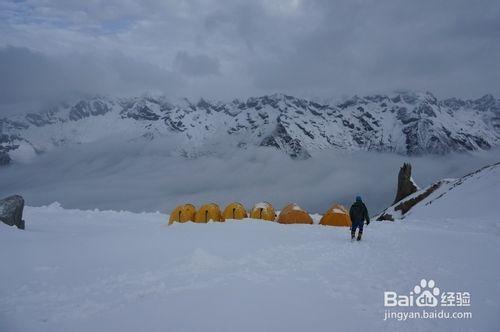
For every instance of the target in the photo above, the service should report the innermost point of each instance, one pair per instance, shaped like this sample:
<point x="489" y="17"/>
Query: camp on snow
<point x="234" y="211"/>
<point x="264" y="211"/>
<point x="182" y="213"/>
<point x="208" y="212"/>
<point x="337" y="215"/>
<point x="294" y="214"/>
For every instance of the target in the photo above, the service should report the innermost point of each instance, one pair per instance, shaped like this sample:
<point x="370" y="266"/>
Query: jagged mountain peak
<point x="404" y="122"/>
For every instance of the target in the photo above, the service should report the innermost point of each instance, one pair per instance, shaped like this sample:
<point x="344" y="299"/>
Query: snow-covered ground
<point x="74" y="270"/>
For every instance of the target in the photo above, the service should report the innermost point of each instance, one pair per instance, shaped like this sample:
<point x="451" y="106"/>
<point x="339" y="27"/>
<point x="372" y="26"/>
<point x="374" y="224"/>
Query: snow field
<point x="105" y="270"/>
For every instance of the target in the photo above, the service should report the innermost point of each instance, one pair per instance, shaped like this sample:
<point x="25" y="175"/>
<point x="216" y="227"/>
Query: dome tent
<point x="208" y="212"/>
<point x="182" y="213"/>
<point x="294" y="214"/>
<point x="234" y="211"/>
<point x="337" y="215"/>
<point x="263" y="210"/>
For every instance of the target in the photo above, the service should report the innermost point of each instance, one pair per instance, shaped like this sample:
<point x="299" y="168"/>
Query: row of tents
<point x="337" y="215"/>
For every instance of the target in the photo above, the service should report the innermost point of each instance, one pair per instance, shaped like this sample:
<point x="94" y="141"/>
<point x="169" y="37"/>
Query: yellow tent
<point x="234" y="211"/>
<point x="208" y="212"/>
<point x="294" y="214"/>
<point x="263" y="210"/>
<point x="182" y="213"/>
<point x="337" y="215"/>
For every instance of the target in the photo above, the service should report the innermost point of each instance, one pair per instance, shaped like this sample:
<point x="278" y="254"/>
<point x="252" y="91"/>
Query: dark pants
<point x="357" y="224"/>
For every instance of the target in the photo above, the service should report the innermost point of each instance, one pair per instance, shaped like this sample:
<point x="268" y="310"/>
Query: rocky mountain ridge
<point x="407" y="123"/>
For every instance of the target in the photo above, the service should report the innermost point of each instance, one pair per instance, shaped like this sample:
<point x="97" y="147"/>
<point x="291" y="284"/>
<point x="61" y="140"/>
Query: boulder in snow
<point x="11" y="211"/>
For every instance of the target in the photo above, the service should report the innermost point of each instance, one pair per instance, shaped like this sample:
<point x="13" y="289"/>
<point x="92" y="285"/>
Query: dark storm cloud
<point x="195" y="65"/>
<point x="225" y="49"/>
<point x="28" y="76"/>
<point x="447" y="47"/>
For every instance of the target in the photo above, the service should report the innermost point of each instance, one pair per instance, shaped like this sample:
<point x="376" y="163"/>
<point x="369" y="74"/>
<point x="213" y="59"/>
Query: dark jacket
<point x="359" y="212"/>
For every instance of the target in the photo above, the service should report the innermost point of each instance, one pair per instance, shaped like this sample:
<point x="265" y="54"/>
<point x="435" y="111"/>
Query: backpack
<point x="357" y="211"/>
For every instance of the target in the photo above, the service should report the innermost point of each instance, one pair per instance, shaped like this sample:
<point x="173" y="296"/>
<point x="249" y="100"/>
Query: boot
<point x="352" y="236"/>
<point x="359" y="236"/>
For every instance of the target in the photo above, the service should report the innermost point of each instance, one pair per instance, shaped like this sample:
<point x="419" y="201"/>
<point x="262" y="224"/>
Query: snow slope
<point x="473" y="196"/>
<point x="75" y="270"/>
<point x="470" y="201"/>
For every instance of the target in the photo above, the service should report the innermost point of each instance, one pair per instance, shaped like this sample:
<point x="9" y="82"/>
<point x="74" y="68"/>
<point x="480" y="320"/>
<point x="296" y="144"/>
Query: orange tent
<point x="337" y="215"/>
<point x="234" y="211"/>
<point x="182" y="213"/>
<point x="263" y="210"/>
<point x="208" y="212"/>
<point x="294" y="214"/>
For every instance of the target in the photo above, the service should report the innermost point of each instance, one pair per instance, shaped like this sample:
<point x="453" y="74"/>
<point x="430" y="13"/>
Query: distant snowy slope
<point x="407" y="123"/>
<point x="471" y="198"/>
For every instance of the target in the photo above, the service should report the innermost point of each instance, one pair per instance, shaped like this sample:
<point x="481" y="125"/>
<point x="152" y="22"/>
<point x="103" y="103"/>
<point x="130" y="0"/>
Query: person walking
<point x="358" y="213"/>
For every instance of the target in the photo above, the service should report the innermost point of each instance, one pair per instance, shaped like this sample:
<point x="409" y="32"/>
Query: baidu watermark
<point x="427" y="301"/>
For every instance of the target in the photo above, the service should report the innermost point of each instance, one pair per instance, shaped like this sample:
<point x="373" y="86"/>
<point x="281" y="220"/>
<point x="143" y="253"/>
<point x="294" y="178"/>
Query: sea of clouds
<point x="147" y="176"/>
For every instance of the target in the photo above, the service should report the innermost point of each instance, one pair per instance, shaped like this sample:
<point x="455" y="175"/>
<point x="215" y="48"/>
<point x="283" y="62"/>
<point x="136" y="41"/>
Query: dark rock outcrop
<point x="384" y="216"/>
<point x="84" y="109"/>
<point x="4" y="158"/>
<point x="406" y="186"/>
<point x="142" y="112"/>
<point x="406" y="205"/>
<point x="281" y="139"/>
<point x="11" y="211"/>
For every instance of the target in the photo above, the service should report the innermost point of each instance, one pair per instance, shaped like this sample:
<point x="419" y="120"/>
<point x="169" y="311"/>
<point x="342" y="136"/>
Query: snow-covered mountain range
<point x="406" y="123"/>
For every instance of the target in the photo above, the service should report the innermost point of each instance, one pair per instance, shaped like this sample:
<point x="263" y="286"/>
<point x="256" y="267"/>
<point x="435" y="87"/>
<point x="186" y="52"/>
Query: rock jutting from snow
<point x="11" y="211"/>
<point x="406" y="185"/>
<point x="436" y="191"/>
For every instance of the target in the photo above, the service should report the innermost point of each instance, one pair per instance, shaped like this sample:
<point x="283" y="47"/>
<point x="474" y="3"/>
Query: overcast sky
<point x="228" y="49"/>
